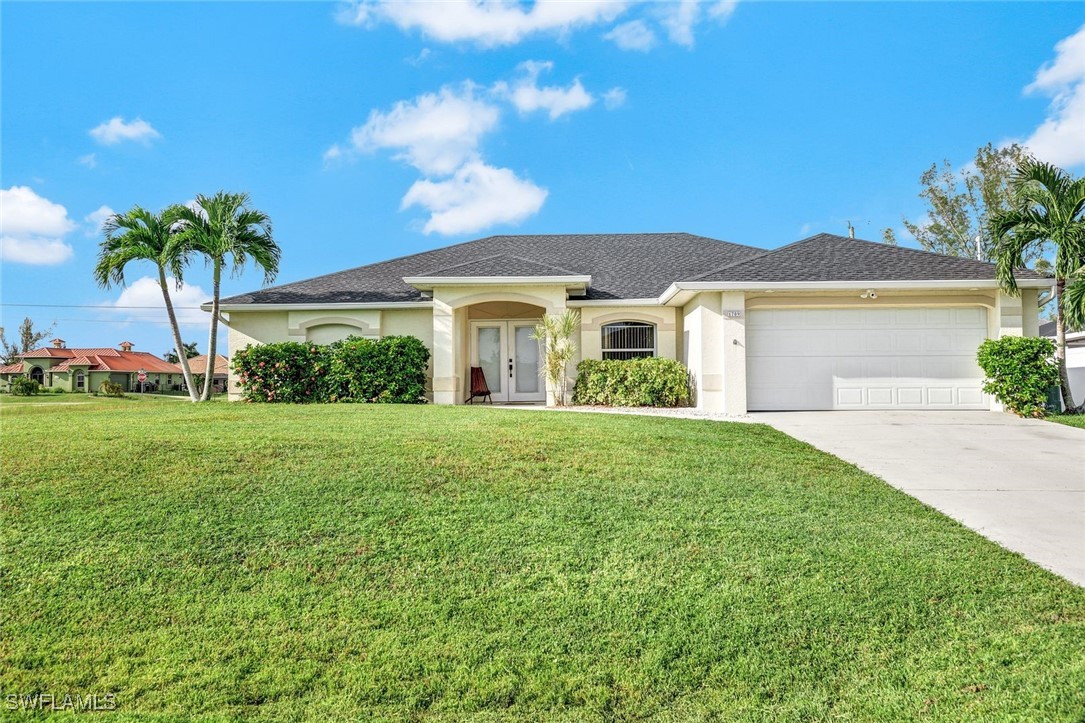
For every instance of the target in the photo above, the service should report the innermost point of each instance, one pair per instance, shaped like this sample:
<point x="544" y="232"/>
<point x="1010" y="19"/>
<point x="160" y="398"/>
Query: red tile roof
<point x="103" y="359"/>
<point x="198" y="365"/>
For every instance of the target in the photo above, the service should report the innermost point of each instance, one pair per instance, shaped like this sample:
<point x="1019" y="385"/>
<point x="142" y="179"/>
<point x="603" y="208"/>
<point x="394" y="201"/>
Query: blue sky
<point x="371" y="130"/>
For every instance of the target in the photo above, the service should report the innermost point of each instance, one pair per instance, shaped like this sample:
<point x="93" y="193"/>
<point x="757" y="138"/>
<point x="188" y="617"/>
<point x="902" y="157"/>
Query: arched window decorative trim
<point x="628" y="340"/>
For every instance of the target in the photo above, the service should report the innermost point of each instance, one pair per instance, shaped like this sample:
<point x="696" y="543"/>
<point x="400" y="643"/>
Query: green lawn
<point x="1072" y="420"/>
<point x="343" y="562"/>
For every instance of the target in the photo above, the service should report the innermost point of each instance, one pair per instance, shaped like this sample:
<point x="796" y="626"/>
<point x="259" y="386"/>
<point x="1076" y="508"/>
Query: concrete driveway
<point x="1018" y="482"/>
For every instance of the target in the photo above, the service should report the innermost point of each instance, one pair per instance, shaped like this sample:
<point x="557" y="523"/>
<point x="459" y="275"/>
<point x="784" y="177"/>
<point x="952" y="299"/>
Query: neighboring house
<point x="198" y="365"/>
<point x="828" y="322"/>
<point x="1075" y="358"/>
<point x="84" y="370"/>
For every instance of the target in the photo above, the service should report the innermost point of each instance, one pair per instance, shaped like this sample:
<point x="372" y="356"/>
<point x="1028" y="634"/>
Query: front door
<point x="509" y="358"/>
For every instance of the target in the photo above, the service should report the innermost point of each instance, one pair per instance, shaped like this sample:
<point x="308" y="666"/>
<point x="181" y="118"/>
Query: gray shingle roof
<point x="622" y="266"/>
<point x="501" y="265"/>
<point x="629" y="266"/>
<point x="827" y="257"/>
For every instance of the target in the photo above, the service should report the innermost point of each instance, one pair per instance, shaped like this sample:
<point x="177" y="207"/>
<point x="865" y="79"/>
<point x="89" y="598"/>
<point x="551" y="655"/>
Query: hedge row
<point x="389" y="370"/>
<point x="648" y="382"/>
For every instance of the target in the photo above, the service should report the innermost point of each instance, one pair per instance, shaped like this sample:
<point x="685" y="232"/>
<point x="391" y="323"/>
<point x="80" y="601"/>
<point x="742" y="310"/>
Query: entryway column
<point x="445" y="382"/>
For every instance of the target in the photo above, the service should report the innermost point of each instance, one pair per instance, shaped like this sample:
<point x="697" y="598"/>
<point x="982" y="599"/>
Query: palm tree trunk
<point x="186" y="373"/>
<point x="1060" y="351"/>
<point x="212" y="342"/>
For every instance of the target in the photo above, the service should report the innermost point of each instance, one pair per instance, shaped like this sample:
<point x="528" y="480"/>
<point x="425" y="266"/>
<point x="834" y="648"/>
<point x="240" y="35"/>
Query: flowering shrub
<point x="392" y="370"/>
<point x="649" y="382"/>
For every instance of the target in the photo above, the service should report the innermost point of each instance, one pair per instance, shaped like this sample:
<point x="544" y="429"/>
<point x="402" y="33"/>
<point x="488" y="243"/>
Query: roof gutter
<point x="676" y="288"/>
<point x="321" y="307"/>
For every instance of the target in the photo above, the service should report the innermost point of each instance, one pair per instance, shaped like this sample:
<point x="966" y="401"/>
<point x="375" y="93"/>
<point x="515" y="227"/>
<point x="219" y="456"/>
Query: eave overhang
<point x="679" y="293"/>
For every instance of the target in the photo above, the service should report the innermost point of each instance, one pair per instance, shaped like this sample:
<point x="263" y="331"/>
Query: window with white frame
<point x="80" y="380"/>
<point x="629" y="340"/>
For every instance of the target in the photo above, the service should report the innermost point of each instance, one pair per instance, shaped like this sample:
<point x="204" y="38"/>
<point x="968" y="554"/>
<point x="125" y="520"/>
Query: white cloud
<point x="436" y="132"/>
<point x="145" y="292"/>
<point x="487" y="22"/>
<point x="1060" y="139"/>
<point x="633" y="35"/>
<point x="723" y="10"/>
<point x="475" y="197"/>
<point x="417" y="60"/>
<point x="679" y="19"/>
<point x="527" y="96"/>
<point x="334" y="153"/>
<point x="493" y="23"/>
<point x="32" y="228"/>
<point x="95" y="219"/>
<point x="117" y="130"/>
<point x="90" y="160"/>
<point x="614" y="98"/>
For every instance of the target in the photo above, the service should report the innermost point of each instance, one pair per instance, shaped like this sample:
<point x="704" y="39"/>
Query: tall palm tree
<point x="225" y="230"/>
<point x="1048" y="206"/>
<point x="142" y="235"/>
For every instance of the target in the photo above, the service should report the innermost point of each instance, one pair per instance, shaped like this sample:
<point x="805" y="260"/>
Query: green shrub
<point x="649" y="382"/>
<point x="391" y="370"/>
<point x="1020" y="370"/>
<point x="109" y="389"/>
<point x="24" y="387"/>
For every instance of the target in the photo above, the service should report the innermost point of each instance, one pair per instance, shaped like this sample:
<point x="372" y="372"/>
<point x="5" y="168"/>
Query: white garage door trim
<point x="865" y="358"/>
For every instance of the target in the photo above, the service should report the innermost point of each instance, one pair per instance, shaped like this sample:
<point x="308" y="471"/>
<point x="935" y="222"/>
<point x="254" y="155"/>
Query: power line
<point x="95" y="306"/>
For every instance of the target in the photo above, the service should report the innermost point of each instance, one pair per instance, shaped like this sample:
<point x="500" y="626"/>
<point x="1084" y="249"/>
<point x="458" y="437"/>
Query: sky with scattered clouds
<point x="373" y="129"/>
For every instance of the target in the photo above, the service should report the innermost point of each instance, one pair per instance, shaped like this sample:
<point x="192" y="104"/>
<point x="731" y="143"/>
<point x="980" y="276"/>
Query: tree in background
<point x="960" y="204"/>
<point x="190" y="351"/>
<point x="141" y="235"/>
<point x="225" y="230"/>
<point x="28" y="339"/>
<point x="889" y="237"/>
<point x="1048" y="207"/>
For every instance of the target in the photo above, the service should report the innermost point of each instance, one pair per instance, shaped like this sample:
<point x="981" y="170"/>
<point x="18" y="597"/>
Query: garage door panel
<point x="854" y="358"/>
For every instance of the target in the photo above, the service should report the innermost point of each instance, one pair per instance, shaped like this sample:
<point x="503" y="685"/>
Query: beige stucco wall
<point x="594" y="318"/>
<point x="708" y="333"/>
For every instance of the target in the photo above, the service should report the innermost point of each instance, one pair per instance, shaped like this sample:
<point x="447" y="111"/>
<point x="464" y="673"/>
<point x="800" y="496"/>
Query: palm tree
<point x="555" y="332"/>
<point x="224" y="229"/>
<point x="190" y="351"/>
<point x="1048" y="207"/>
<point x="142" y="235"/>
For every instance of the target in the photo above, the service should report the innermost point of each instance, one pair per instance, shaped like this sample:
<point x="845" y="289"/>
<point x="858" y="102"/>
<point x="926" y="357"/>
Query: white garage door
<point x="878" y="358"/>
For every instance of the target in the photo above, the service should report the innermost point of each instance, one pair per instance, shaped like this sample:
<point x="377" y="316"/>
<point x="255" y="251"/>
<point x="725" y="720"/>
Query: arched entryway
<point x="500" y="343"/>
<point x="37" y="375"/>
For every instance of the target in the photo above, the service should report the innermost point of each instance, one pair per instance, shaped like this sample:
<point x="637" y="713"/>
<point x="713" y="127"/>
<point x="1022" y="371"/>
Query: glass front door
<point x="509" y="358"/>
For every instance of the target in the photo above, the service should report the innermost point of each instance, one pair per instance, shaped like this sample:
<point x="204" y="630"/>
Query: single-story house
<point x="198" y="365"/>
<point x="829" y="322"/>
<point x="84" y="370"/>
<point x="1075" y="358"/>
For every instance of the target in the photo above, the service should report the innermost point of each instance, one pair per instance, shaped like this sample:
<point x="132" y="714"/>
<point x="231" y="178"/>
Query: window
<point x="629" y="340"/>
<point x="79" y="380"/>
